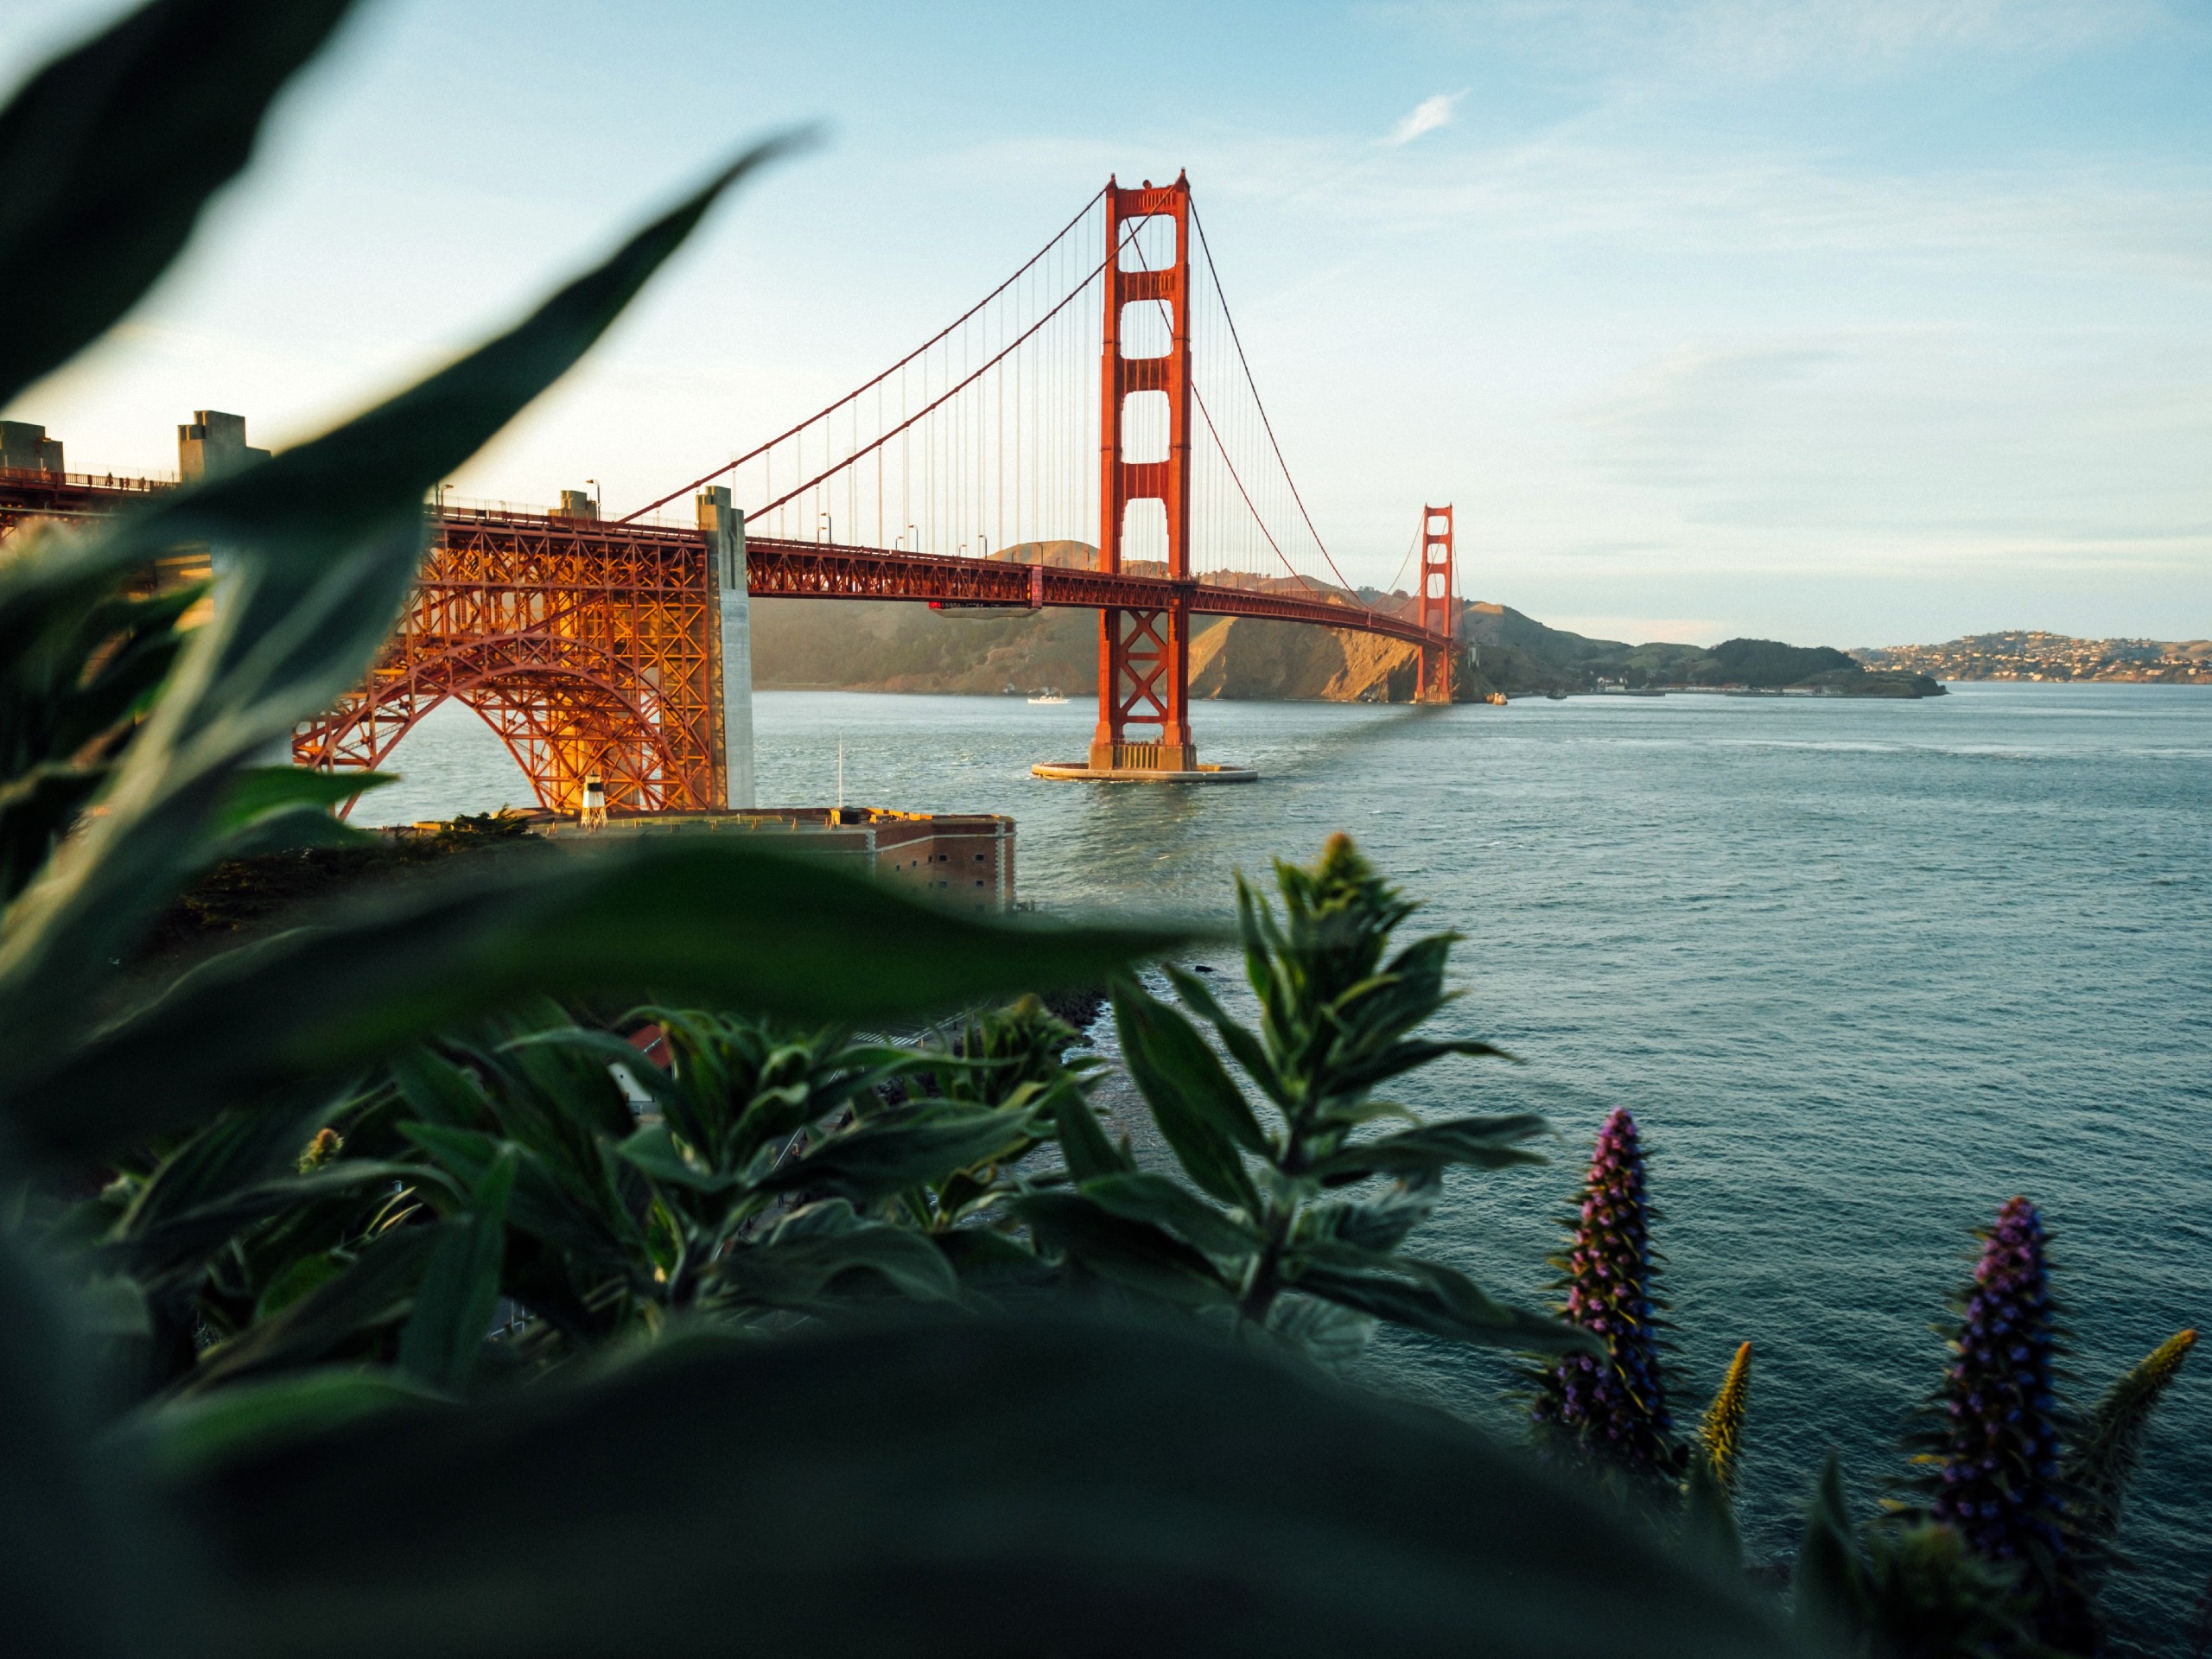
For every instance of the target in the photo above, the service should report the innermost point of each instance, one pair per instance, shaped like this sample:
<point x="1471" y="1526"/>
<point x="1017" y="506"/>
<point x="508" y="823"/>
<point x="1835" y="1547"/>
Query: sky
<point x="1851" y="324"/>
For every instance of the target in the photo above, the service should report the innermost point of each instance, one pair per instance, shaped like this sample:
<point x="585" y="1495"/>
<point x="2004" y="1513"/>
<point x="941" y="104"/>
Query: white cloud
<point x="1426" y="116"/>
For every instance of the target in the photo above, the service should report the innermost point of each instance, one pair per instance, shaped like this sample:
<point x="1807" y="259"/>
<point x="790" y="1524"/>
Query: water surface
<point x="1862" y="971"/>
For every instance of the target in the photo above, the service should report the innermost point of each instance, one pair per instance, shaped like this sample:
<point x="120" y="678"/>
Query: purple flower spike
<point x="1615" y="1407"/>
<point x="1996" y="1456"/>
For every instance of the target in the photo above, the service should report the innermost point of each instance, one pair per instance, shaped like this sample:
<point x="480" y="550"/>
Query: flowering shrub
<point x="1613" y="1407"/>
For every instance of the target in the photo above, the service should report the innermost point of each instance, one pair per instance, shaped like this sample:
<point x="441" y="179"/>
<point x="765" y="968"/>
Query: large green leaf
<point x="460" y="1286"/>
<point x="1205" y="1121"/>
<point x="1136" y="1255"/>
<point x="707" y="920"/>
<point x="325" y="539"/>
<point x="1832" y="1594"/>
<point x="1429" y="1296"/>
<point x="1484" y="1142"/>
<point x="892" y="1151"/>
<point x="946" y="1488"/>
<point x="826" y="1246"/>
<point x="374" y="1291"/>
<point x="79" y="1578"/>
<point x="1155" y="1199"/>
<point x="112" y="151"/>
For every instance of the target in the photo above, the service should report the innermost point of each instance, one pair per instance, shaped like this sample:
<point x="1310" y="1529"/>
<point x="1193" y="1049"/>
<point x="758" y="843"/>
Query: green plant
<point x="1294" y="1228"/>
<point x="1609" y="1408"/>
<point x="1999" y="1546"/>
<point x="918" y="1485"/>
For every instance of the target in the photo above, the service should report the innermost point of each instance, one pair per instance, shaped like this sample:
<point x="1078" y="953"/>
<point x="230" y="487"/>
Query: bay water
<point x="1862" y="972"/>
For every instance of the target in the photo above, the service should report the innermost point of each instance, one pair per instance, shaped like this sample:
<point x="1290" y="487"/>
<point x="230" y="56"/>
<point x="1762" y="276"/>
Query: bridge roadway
<point x="776" y="568"/>
<point x="595" y="649"/>
<point x="780" y="569"/>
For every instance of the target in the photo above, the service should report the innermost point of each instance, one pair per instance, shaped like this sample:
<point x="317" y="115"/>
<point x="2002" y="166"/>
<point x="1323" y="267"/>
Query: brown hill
<point x="885" y="646"/>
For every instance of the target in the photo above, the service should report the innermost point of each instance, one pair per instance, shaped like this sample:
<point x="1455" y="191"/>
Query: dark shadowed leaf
<point x="1431" y="1297"/>
<point x="892" y="1151"/>
<point x="452" y="1305"/>
<point x="1830" y="1579"/>
<point x="180" y="1437"/>
<point x="112" y="151"/>
<point x="80" y="1576"/>
<point x="148" y="1245"/>
<point x="1157" y="1199"/>
<point x="828" y="1496"/>
<point x="705" y="920"/>
<point x="374" y="1291"/>
<point x="826" y="1246"/>
<point x="1133" y="1254"/>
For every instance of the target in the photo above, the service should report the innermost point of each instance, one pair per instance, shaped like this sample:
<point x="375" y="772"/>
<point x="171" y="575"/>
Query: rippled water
<point x="1862" y="971"/>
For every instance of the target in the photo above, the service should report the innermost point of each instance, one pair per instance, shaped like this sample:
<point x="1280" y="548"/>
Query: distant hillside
<point x="1521" y="656"/>
<point x="886" y="645"/>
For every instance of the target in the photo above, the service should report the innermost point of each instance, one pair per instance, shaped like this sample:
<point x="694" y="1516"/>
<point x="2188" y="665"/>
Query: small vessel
<point x="1050" y="694"/>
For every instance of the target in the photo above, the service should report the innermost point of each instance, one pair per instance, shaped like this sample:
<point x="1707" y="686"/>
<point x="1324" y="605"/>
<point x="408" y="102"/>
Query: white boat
<point x="1048" y="695"/>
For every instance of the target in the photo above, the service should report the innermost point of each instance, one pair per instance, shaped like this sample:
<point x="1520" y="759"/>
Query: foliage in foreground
<point x="292" y="1275"/>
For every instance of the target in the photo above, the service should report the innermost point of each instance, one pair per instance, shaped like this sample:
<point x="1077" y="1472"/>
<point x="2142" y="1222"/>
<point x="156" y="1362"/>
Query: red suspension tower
<point x="1439" y="607"/>
<point x="1144" y="657"/>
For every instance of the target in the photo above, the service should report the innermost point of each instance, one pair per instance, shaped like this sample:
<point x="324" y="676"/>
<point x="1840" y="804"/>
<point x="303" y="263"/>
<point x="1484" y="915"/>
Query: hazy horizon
<point x="1848" y="324"/>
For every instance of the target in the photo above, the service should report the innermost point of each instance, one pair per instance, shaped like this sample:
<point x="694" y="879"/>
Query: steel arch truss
<point x="590" y="650"/>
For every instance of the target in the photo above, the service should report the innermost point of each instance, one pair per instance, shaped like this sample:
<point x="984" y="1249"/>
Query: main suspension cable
<point x="865" y="385"/>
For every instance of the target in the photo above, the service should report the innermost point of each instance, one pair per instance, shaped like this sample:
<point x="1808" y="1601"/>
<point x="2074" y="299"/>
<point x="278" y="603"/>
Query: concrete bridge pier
<point x="725" y="528"/>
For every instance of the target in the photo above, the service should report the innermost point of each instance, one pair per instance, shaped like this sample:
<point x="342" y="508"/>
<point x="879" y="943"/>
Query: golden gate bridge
<point x="1088" y="435"/>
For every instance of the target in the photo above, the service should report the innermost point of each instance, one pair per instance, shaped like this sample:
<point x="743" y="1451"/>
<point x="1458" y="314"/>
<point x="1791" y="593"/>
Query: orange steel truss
<point x="1144" y="656"/>
<point x="1437" y="608"/>
<point x="591" y="650"/>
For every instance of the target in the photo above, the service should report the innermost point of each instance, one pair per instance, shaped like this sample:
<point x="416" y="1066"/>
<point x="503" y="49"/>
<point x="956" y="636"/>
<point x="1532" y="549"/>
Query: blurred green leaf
<point x="828" y="1496"/>
<point x="1709" y="1520"/>
<point x="1830" y="1580"/>
<point x="718" y="922"/>
<point x="325" y="540"/>
<point x="460" y="1286"/>
<point x="112" y="151"/>
<point x="181" y="1438"/>
<point x="256" y="791"/>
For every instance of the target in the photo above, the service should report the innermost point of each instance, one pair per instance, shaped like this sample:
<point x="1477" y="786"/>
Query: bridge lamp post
<point x="826" y="528"/>
<point x="598" y="505"/>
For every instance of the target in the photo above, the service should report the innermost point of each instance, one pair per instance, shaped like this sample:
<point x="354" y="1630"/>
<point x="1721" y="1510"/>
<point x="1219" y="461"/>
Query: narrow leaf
<point x="1201" y="1115"/>
<point x="461" y="1285"/>
<point x="946" y="1486"/>
<point x="707" y="920"/>
<point x="112" y="151"/>
<point x="1157" y="1199"/>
